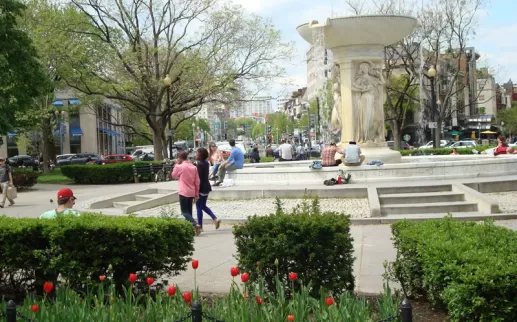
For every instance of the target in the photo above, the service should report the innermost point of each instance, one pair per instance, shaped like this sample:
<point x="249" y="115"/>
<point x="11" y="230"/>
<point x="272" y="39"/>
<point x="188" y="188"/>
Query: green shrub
<point x="443" y="151"/>
<point x="317" y="246"/>
<point x="469" y="268"/>
<point x="102" y="174"/>
<point x="24" y="177"/>
<point x="82" y="248"/>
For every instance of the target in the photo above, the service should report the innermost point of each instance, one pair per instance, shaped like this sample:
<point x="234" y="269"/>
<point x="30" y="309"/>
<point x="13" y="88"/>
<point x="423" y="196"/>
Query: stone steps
<point x="421" y="197"/>
<point x="429" y="208"/>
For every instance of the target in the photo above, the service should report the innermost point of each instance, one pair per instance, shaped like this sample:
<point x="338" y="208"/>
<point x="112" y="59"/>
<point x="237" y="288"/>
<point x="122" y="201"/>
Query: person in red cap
<point x="65" y="203"/>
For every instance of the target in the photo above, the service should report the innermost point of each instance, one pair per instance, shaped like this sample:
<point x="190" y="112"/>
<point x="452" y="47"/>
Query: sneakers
<point x="11" y="203"/>
<point x="347" y="178"/>
<point x="217" y="184"/>
<point x="217" y="223"/>
<point x="198" y="230"/>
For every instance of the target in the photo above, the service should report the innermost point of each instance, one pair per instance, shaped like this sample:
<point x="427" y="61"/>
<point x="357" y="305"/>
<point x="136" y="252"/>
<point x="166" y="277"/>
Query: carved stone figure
<point x="368" y="101"/>
<point x="336" y="88"/>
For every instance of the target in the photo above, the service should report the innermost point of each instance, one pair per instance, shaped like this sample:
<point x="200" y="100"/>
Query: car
<point x="79" y="158"/>
<point x="403" y="145"/>
<point x="25" y="161"/>
<point x="64" y="156"/>
<point x="463" y="145"/>
<point x="429" y="145"/>
<point x="116" y="158"/>
<point x="139" y="152"/>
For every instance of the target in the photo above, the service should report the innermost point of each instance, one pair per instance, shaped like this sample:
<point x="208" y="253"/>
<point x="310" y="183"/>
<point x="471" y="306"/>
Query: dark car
<point x="25" y="161"/>
<point x="80" y="158"/>
<point x="116" y="158"/>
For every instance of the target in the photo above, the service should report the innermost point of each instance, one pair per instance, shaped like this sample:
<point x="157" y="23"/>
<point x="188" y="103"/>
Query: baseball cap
<point x="65" y="193"/>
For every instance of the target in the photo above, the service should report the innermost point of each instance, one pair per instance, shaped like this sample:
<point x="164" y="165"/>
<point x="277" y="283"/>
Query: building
<point x="319" y="66"/>
<point x="257" y="106"/>
<point x="280" y="103"/>
<point x="215" y="114"/>
<point x="94" y="128"/>
<point x="487" y="91"/>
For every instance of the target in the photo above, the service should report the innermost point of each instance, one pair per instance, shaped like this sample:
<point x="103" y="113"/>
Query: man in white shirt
<point x="286" y="151"/>
<point x="353" y="155"/>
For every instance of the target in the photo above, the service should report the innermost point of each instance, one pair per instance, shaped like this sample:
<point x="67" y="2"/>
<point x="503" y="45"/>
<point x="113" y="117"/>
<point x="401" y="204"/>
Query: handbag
<point x="12" y="193"/>
<point x="316" y="164"/>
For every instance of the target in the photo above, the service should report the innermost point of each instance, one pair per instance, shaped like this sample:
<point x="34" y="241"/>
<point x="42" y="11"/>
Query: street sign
<point x="432" y="125"/>
<point x="170" y="133"/>
<point x="407" y="137"/>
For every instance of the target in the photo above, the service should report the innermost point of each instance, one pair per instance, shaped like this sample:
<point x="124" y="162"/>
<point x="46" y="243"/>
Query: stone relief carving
<point x="368" y="103"/>
<point x="335" y="120"/>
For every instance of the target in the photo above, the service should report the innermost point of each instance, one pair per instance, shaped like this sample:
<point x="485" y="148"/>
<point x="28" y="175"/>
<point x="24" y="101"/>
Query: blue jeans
<point x="216" y="168"/>
<point x="186" y="208"/>
<point x="201" y="206"/>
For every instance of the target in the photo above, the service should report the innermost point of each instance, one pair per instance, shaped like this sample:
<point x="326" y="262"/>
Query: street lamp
<point x="431" y="74"/>
<point x="479" y="131"/>
<point x="194" y="134"/>
<point x="167" y="82"/>
<point x="59" y="117"/>
<point x="502" y="128"/>
<point x="468" y="55"/>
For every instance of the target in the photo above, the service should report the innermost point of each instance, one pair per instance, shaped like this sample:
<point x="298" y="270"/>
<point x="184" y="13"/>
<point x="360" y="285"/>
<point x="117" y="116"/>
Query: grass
<point x="54" y="177"/>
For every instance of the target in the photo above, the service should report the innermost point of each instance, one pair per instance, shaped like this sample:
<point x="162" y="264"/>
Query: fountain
<point x="357" y="44"/>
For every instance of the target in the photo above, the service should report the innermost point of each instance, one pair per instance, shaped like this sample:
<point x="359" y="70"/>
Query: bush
<point x="24" y="177"/>
<point x="82" y="248"/>
<point x="469" y="268"/>
<point x="443" y="151"/>
<point x="317" y="246"/>
<point x="102" y="174"/>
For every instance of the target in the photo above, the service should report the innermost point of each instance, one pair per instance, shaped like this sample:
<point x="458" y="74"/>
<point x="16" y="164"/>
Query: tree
<point x="210" y="52"/>
<point x="22" y="76"/>
<point x="509" y="116"/>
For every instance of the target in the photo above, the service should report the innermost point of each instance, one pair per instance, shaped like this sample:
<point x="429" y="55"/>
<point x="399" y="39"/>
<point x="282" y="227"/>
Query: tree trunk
<point x="395" y="129"/>
<point x="437" y="134"/>
<point x="46" y="132"/>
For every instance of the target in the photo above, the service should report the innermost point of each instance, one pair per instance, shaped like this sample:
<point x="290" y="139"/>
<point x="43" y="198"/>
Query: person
<point x="285" y="151"/>
<point x="90" y="161"/>
<point x="65" y="203"/>
<point x="216" y="158"/>
<point x="353" y="155"/>
<point x="454" y="152"/>
<point x="255" y="156"/>
<point x="203" y="168"/>
<point x="235" y="161"/>
<point x="6" y="181"/>
<point x="502" y="146"/>
<point x="270" y="152"/>
<point x="328" y="156"/>
<point x="188" y="187"/>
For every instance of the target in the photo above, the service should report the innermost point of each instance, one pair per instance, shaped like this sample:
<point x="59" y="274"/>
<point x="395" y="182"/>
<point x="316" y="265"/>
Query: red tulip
<point x="195" y="263"/>
<point x="35" y="308"/>
<point x="102" y="277"/>
<point x="132" y="277"/>
<point x="329" y="301"/>
<point x="259" y="300"/>
<point x="293" y="276"/>
<point x="47" y="287"/>
<point x="234" y="271"/>
<point x="290" y="318"/>
<point x="149" y="281"/>
<point x="187" y="296"/>
<point x="171" y="290"/>
<point x="245" y="277"/>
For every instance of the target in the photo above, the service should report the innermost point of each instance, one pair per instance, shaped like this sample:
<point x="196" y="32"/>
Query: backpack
<point x="316" y="164"/>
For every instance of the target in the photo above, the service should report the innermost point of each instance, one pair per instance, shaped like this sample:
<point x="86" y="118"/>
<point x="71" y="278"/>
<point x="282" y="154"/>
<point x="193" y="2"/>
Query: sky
<point x="493" y="40"/>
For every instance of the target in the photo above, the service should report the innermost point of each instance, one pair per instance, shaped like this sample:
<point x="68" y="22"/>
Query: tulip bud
<point x="276" y="262"/>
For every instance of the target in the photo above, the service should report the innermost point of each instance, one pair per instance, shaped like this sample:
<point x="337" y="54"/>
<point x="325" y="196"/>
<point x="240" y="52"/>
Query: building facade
<point x="319" y="66"/>
<point x="257" y="106"/>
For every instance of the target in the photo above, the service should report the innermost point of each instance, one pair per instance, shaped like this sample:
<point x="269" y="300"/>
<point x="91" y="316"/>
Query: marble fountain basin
<point x="418" y="168"/>
<point x="360" y="30"/>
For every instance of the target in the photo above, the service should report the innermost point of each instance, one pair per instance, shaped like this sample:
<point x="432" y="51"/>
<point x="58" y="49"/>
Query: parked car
<point x="429" y="145"/>
<point x="403" y="145"/>
<point x="462" y="145"/>
<point x="80" y="158"/>
<point x="64" y="156"/>
<point x="140" y="152"/>
<point x="24" y="161"/>
<point x="116" y="158"/>
<point x="145" y="157"/>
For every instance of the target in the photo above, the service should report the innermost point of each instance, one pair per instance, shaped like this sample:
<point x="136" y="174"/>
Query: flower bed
<point x="467" y="267"/>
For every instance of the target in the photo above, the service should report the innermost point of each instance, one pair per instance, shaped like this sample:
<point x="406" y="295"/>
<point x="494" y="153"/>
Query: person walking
<point x="6" y="181"/>
<point x="235" y="161"/>
<point x="65" y="203"/>
<point x="203" y="168"/>
<point x="188" y="187"/>
<point x="255" y="156"/>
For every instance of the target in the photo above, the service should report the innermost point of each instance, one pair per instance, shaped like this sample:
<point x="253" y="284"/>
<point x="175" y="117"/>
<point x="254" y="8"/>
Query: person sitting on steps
<point x="353" y="155"/>
<point x="235" y="161"/>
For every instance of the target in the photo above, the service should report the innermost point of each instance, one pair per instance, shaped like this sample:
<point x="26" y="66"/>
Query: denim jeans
<point x="186" y="208"/>
<point x="222" y="171"/>
<point x="201" y="206"/>
<point x="216" y="168"/>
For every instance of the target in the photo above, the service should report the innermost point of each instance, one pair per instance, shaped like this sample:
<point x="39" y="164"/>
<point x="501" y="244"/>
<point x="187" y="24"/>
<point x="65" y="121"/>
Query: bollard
<point x="197" y="312"/>
<point x="406" y="311"/>
<point x="10" y="311"/>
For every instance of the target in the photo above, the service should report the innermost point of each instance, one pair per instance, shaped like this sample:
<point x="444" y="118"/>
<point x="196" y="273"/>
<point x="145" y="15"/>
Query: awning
<point x="488" y="132"/>
<point x="58" y="103"/>
<point x="108" y="131"/>
<point x="75" y="130"/>
<point x="74" y="101"/>
<point x="11" y="135"/>
<point x="454" y="133"/>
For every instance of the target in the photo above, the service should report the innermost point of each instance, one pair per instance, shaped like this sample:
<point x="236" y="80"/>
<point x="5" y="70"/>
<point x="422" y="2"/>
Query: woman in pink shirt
<point x="188" y="187"/>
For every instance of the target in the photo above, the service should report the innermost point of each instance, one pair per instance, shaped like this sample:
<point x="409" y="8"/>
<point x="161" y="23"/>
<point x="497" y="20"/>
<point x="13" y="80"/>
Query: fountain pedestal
<point x="357" y="44"/>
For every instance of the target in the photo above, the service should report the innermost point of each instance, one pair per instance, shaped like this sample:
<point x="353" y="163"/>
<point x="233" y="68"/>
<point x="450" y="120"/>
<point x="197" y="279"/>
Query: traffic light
<point x="268" y="129"/>
<point x="225" y="125"/>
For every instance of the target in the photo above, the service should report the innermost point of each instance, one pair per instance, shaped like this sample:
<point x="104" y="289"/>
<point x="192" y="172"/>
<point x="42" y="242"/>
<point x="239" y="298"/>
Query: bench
<point x="149" y="169"/>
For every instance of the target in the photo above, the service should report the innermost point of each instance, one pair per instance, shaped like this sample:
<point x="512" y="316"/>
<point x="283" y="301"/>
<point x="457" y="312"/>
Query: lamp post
<point x="431" y="74"/>
<point x="59" y="117"/>
<point x="479" y="131"/>
<point x="502" y="128"/>
<point x="468" y="55"/>
<point x="167" y="83"/>
<point x="194" y="134"/>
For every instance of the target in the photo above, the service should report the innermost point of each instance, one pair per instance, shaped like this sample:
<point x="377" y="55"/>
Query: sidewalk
<point x="215" y="251"/>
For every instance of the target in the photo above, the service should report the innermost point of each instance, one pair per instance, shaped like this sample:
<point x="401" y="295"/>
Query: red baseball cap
<point x="65" y="193"/>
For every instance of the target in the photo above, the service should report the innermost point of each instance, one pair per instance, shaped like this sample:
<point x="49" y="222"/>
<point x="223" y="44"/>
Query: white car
<point x="429" y="145"/>
<point x="463" y="145"/>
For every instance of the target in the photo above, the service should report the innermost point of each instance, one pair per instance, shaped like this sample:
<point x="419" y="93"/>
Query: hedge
<point x="469" y="268"/>
<point x="101" y="174"/>
<point x="443" y="151"/>
<point x="24" y="177"/>
<point x="79" y="249"/>
<point x="317" y="246"/>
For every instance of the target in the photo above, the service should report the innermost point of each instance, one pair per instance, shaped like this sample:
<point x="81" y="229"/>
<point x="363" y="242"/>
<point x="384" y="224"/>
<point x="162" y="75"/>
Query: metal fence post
<point x="406" y="311"/>
<point x="197" y="312"/>
<point x="10" y="311"/>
